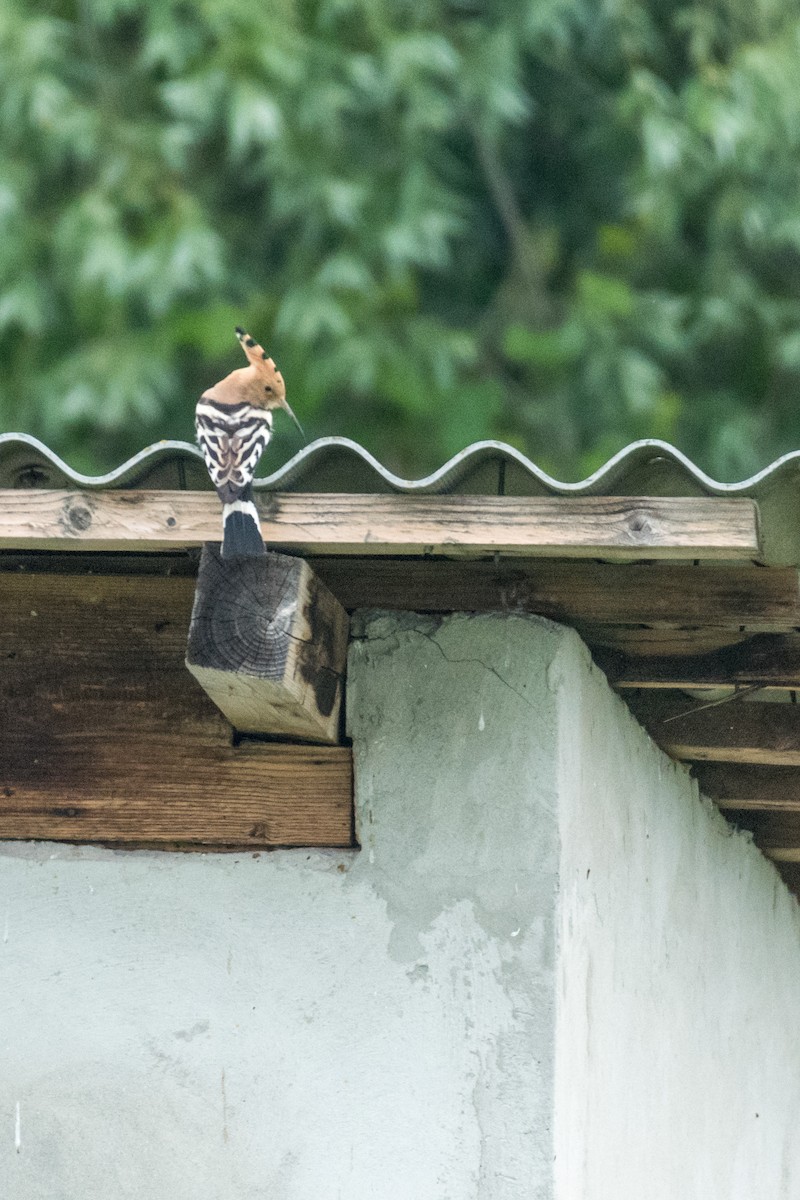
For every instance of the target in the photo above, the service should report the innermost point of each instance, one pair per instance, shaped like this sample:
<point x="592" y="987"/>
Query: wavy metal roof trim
<point x="636" y="456"/>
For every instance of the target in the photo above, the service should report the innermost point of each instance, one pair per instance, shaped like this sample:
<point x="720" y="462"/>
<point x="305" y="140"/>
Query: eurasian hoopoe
<point x="234" y="424"/>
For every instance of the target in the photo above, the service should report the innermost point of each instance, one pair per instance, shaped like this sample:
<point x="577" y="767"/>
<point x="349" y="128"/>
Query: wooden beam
<point x="790" y="874"/>
<point x="180" y="561"/>
<point x="739" y="731"/>
<point x="661" y="595"/>
<point x="105" y="736"/>
<point x="770" y="660"/>
<point x="669" y="608"/>
<point x="585" y="526"/>
<point x="729" y="785"/>
<point x="174" y="790"/>
<point x="268" y="644"/>
<point x="642" y="641"/>
<point x="776" y="834"/>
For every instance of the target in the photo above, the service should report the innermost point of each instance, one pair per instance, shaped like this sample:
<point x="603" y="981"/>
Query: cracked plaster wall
<point x="404" y="1022"/>
<point x="310" y="1025"/>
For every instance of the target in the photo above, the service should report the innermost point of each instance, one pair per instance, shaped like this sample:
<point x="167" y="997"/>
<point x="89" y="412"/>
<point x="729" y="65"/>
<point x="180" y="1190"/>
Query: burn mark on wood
<point x="327" y="645"/>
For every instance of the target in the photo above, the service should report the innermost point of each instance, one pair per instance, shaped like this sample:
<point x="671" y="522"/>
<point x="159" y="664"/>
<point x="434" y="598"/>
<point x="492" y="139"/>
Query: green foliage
<point x="561" y="224"/>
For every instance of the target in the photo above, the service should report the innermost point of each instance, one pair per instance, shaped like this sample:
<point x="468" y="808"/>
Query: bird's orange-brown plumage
<point x="260" y="384"/>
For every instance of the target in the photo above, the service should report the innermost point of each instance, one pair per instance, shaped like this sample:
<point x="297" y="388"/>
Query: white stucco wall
<point x="678" y="1046"/>
<point x="547" y="949"/>
<point x="309" y="1025"/>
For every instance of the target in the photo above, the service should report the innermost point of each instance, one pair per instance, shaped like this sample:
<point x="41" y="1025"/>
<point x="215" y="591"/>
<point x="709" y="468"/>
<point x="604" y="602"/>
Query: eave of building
<point x="695" y="642"/>
<point x="645" y="468"/>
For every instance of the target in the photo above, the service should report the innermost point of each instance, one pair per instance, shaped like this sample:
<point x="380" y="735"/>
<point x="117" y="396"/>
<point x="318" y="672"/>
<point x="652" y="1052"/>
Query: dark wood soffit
<point x="768" y="660"/>
<point x="105" y="736"/>
<point x="692" y="601"/>
<point x="660" y="595"/>
<point x="753" y="743"/>
<point x="777" y="834"/>
<point x="743" y="786"/>
<point x="734" y="732"/>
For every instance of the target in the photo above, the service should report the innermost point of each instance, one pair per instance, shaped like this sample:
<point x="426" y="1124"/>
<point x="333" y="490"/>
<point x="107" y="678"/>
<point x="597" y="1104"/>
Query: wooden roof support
<point x="731" y="785"/>
<point x="790" y="872"/>
<point x="776" y="834"/>
<point x="105" y="736"/>
<point x="682" y="605"/>
<point x="268" y="644"/>
<point x="735" y="732"/>
<point x="178" y="792"/>
<point x="567" y="526"/>
<point x="657" y="594"/>
<point x="770" y="660"/>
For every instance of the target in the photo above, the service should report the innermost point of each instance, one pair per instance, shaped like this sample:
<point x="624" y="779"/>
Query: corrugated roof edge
<point x="637" y="457"/>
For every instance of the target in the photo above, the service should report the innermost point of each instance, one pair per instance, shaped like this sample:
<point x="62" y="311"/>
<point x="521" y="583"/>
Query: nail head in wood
<point x="268" y="643"/>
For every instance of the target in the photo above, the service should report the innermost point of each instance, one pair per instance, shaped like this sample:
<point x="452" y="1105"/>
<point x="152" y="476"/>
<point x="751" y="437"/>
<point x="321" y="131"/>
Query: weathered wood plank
<point x="738" y="731"/>
<point x="628" y="596"/>
<point x="181" y="561"/>
<point x="268" y="644"/>
<point x="641" y="641"/>
<point x="783" y="854"/>
<point x="105" y="736"/>
<point x="771" y="660"/>
<point x="774" y="789"/>
<point x="585" y="526"/>
<point x="84" y="788"/>
<point x="661" y="595"/>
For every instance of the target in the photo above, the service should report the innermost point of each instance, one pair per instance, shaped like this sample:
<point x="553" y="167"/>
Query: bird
<point x="233" y="420"/>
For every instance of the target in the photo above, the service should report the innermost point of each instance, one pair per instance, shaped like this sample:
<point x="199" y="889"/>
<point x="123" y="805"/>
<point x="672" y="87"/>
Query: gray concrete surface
<point x="678" y="1047"/>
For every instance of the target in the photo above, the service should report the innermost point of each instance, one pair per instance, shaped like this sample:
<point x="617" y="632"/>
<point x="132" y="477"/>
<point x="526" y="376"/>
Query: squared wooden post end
<point x="268" y="643"/>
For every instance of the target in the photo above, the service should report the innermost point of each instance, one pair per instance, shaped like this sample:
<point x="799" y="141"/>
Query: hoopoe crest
<point x="234" y="425"/>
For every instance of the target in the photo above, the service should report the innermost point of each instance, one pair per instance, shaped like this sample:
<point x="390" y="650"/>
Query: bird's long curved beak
<point x="284" y="404"/>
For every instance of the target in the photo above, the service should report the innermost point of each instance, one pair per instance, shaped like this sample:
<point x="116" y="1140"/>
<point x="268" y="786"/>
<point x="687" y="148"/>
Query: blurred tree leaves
<point x="558" y="223"/>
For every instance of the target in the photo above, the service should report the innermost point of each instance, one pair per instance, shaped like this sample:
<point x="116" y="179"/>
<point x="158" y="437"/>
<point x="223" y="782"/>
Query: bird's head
<point x="260" y="383"/>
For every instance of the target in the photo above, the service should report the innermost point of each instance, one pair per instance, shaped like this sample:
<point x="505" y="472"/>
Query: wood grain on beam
<point x="770" y="660"/>
<point x="614" y="600"/>
<point x="105" y="736"/>
<point x="585" y="526"/>
<point x="731" y="785"/>
<point x="84" y="788"/>
<point x="268" y="644"/>
<point x="658" y="594"/>
<point x="738" y="731"/>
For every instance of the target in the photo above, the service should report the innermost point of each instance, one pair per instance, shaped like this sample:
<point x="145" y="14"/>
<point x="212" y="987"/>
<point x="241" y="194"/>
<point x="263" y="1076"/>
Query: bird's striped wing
<point x="232" y="442"/>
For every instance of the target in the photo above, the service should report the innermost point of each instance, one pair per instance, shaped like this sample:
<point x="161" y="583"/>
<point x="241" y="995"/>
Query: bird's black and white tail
<point x="241" y="529"/>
